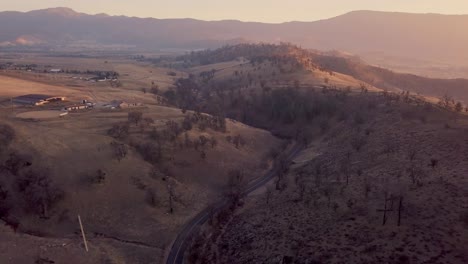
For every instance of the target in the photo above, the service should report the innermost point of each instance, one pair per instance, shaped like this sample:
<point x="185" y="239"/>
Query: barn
<point x="36" y="99"/>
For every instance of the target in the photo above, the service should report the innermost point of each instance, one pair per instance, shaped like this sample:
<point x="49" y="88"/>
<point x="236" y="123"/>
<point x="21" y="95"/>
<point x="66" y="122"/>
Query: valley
<point x="163" y="137"/>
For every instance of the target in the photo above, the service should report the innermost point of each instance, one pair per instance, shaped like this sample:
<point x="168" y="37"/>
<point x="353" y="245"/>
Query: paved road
<point x="176" y="255"/>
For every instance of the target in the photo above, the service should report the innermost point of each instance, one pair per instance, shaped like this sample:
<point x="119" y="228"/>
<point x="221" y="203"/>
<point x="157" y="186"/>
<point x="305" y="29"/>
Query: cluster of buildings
<point x="42" y="99"/>
<point x="122" y="104"/>
<point x="36" y="99"/>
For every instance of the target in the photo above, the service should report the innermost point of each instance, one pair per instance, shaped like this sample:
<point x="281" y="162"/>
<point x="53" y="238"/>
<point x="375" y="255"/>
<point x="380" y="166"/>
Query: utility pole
<point x="83" y="233"/>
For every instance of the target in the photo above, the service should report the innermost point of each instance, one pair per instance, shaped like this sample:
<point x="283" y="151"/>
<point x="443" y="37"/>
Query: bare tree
<point x="119" y="150"/>
<point x="171" y="194"/>
<point x="268" y="194"/>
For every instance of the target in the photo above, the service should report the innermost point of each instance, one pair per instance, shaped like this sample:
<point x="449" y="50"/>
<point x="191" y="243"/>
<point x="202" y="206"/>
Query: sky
<point x="273" y="11"/>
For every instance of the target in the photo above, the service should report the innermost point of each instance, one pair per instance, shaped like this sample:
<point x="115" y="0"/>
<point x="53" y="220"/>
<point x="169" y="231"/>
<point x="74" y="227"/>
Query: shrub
<point x="7" y="134"/>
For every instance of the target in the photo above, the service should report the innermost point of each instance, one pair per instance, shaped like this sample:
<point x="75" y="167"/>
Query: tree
<point x="99" y="177"/>
<point x="203" y="140"/>
<point x="119" y="150"/>
<point x="458" y="107"/>
<point x="155" y="135"/>
<point x="38" y="191"/>
<point x="16" y="162"/>
<point x="119" y="131"/>
<point x="151" y="198"/>
<point x="7" y="134"/>
<point x="213" y="142"/>
<point x="235" y="185"/>
<point x="187" y="123"/>
<point x="434" y="163"/>
<point x="151" y="152"/>
<point x="238" y="141"/>
<point x="346" y="170"/>
<point x="268" y="193"/>
<point x="135" y="117"/>
<point x="171" y="194"/>
<point x="358" y="142"/>
<point x="4" y="205"/>
<point x="446" y="101"/>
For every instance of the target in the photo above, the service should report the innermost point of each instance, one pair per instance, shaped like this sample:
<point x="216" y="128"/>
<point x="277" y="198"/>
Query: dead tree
<point x="400" y="209"/>
<point x="170" y="192"/>
<point x="385" y="210"/>
<point x="268" y="193"/>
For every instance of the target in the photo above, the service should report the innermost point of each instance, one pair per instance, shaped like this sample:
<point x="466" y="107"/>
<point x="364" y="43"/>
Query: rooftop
<point x="34" y="97"/>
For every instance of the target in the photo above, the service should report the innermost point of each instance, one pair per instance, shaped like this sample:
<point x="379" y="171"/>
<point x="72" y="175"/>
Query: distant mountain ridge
<point x="433" y="36"/>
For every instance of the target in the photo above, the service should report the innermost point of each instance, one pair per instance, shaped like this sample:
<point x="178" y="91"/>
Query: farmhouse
<point x="36" y="99"/>
<point x="76" y="107"/>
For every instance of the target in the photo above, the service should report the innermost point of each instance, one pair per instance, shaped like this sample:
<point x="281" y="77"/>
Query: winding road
<point x="182" y="242"/>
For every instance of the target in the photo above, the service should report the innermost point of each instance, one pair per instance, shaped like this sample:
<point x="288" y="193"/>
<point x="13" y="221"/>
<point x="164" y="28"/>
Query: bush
<point x="7" y="134"/>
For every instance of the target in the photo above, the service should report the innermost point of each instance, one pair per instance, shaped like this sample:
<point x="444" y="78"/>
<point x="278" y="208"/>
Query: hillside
<point x="389" y="189"/>
<point x="270" y="66"/>
<point x="118" y="182"/>
<point x="170" y="136"/>
<point x="395" y="81"/>
<point x="416" y="37"/>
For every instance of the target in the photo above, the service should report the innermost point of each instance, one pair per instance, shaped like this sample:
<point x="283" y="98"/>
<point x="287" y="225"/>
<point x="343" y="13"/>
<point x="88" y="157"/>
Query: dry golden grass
<point x="77" y="145"/>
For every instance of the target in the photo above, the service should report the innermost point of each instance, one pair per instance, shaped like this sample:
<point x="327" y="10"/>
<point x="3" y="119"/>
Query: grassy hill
<point x="281" y="65"/>
<point x="125" y="205"/>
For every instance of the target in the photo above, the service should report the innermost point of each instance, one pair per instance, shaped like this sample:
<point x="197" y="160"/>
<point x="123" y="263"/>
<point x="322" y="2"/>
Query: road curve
<point x="176" y="255"/>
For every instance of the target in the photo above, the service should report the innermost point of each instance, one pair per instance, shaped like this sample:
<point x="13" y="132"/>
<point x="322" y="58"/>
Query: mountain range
<point x="424" y="37"/>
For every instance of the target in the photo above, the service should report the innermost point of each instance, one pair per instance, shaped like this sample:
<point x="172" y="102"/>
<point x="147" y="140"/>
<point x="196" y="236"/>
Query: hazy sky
<point x="246" y="10"/>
